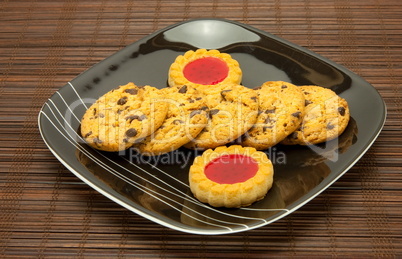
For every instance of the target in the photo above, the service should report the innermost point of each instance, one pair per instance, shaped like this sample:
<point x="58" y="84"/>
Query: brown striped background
<point x="46" y="212"/>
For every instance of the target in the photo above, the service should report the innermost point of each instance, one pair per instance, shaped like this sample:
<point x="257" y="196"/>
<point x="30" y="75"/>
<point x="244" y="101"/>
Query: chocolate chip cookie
<point x="186" y="117"/>
<point x="326" y="117"/>
<point x="123" y="116"/>
<point x="280" y="112"/>
<point x="232" y="112"/>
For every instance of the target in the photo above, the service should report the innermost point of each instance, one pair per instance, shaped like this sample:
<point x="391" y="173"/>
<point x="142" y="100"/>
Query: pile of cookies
<point x="200" y="116"/>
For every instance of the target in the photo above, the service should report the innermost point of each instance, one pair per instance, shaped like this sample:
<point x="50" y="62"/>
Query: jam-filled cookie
<point x="187" y="115"/>
<point x="204" y="69"/>
<point x="232" y="112"/>
<point x="231" y="177"/>
<point x="123" y="116"/>
<point x="326" y="117"/>
<point x="280" y="112"/>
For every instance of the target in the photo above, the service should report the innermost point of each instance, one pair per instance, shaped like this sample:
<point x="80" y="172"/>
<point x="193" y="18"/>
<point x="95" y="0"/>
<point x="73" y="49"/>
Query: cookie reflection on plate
<point x="316" y="154"/>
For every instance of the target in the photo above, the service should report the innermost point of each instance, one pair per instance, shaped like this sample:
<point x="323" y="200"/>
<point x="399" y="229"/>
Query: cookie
<point x="187" y="115"/>
<point x="326" y="117"/>
<point x="297" y="181"/>
<point x="231" y="177"/>
<point x="281" y="110"/>
<point x="204" y="69"/>
<point x="232" y="110"/>
<point x="123" y="116"/>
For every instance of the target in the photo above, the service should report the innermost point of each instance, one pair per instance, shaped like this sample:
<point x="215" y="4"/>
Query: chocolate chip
<point x="269" y="120"/>
<point x="94" y="111"/>
<point x="341" y="111"/>
<point x="307" y="102"/>
<point x="132" y="117"/>
<point x="183" y="89"/>
<point x="224" y="92"/>
<point x="136" y="117"/>
<point x="139" y="140"/>
<point x="213" y="112"/>
<point x="330" y="126"/>
<point x="296" y="114"/>
<point x="178" y="122"/>
<point x="193" y="113"/>
<point x="204" y="108"/>
<point x="131" y="133"/>
<point x="254" y="98"/>
<point x="191" y="101"/>
<point x="132" y="91"/>
<point x="198" y="98"/>
<point x="122" y="101"/>
<point x="88" y="134"/>
<point x="97" y="141"/>
<point x="284" y="86"/>
<point x="294" y="135"/>
<point x="270" y="111"/>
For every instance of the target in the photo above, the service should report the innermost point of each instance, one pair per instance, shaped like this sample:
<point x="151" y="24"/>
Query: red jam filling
<point x="206" y="71"/>
<point x="230" y="169"/>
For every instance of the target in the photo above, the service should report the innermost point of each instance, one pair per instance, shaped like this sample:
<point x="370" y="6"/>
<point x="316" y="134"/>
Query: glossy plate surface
<point x="158" y="188"/>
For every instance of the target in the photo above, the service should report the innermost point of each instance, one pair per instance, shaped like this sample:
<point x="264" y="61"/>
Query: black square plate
<point x="158" y="188"/>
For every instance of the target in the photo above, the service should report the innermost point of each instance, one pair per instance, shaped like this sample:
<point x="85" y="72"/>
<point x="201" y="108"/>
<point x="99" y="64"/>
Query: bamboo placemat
<point x="46" y="212"/>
